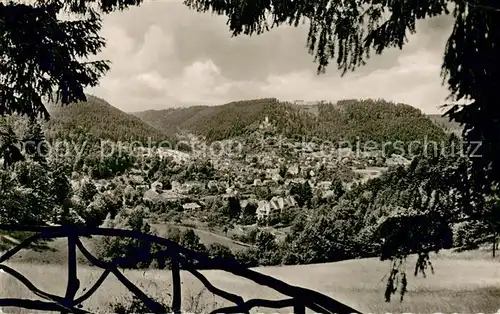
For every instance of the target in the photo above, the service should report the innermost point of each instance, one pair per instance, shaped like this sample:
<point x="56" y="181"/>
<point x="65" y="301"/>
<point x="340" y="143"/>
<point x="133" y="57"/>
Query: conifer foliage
<point x="44" y="56"/>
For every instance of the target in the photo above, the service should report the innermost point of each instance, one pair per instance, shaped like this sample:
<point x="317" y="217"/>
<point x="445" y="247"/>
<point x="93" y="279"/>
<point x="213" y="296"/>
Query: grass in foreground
<point x="463" y="285"/>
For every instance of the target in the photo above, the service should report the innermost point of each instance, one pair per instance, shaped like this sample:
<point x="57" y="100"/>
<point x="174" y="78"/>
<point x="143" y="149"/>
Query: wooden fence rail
<point x="181" y="258"/>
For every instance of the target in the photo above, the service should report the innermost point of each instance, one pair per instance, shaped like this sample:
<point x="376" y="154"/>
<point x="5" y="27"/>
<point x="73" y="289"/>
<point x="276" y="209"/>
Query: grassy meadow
<point x="463" y="283"/>
<point x="206" y="237"/>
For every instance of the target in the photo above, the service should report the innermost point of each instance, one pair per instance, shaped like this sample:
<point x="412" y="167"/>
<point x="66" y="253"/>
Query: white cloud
<point x="200" y="76"/>
<point x="172" y="64"/>
<point x="415" y="80"/>
<point x="152" y="80"/>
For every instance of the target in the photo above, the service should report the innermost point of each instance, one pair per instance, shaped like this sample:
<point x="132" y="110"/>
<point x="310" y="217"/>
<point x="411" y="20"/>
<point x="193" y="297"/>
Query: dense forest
<point x="450" y="126"/>
<point x="376" y="120"/>
<point x="99" y="119"/>
<point x="351" y="120"/>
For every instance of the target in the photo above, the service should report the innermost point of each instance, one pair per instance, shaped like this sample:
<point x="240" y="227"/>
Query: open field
<point x="462" y="283"/>
<point x="206" y="237"/>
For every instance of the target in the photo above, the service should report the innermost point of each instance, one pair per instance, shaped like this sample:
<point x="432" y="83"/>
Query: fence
<point x="181" y="258"/>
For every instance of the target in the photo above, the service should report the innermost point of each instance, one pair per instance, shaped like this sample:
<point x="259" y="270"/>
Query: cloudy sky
<point x="165" y="55"/>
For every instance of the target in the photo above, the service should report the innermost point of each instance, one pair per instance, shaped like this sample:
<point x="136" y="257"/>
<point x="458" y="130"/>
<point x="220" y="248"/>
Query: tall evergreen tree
<point x="337" y="188"/>
<point x="35" y="145"/>
<point x="9" y="143"/>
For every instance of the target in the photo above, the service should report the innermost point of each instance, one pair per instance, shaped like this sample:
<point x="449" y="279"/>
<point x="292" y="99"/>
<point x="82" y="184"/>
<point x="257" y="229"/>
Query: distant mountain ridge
<point x="368" y="119"/>
<point x="376" y="120"/>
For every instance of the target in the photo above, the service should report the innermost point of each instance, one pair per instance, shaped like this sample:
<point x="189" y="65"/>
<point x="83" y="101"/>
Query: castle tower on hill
<point x="265" y="124"/>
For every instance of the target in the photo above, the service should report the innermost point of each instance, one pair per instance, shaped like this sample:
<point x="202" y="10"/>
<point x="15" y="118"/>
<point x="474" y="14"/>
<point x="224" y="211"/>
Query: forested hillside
<point x="169" y="120"/>
<point x="450" y="126"/>
<point x="98" y="118"/>
<point x="220" y="122"/>
<point x="376" y="120"/>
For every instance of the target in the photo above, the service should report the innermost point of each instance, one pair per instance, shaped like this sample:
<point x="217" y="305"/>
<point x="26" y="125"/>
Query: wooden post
<point x="299" y="307"/>
<point x="176" y="285"/>
<point x="73" y="282"/>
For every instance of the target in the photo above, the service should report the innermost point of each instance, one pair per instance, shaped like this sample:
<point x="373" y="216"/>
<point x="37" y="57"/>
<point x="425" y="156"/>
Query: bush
<point x="466" y="234"/>
<point x="122" y="249"/>
<point x="217" y="250"/>
<point x="133" y="305"/>
<point x="247" y="258"/>
<point x="268" y="252"/>
<point x="249" y="238"/>
<point x="190" y="240"/>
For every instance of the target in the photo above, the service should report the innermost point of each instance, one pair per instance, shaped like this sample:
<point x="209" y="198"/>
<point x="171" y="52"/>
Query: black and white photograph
<point x="249" y="156"/>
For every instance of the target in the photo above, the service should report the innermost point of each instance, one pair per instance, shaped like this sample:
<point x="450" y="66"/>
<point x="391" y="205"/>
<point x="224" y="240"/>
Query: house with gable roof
<point x="275" y="206"/>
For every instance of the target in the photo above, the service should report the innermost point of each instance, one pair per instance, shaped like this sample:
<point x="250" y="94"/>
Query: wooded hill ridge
<point x="368" y="119"/>
<point x="376" y="120"/>
<point x="99" y="119"/>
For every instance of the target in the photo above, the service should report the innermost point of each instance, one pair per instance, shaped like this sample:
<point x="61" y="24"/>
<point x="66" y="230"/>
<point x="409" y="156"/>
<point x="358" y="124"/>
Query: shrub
<point x="217" y="250"/>
<point x="247" y="258"/>
<point x="133" y="305"/>
<point x="121" y="249"/>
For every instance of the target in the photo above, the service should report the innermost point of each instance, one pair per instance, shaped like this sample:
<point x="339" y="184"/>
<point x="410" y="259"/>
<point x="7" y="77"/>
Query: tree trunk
<point x="494" y="244"/>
